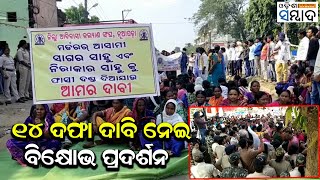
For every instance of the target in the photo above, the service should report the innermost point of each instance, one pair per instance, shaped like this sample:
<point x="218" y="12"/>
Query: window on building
<point x="12" y="16"/>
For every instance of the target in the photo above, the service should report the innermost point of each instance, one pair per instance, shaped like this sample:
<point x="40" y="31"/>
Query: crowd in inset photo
<point x="253" y="146"/>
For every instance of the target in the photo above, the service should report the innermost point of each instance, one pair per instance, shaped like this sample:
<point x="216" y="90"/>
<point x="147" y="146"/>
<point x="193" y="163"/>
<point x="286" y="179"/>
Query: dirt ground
<point x="10" y="115"/>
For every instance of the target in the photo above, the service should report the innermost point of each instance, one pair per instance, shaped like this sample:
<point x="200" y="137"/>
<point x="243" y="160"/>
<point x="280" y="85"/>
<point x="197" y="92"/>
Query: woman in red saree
<point x="233" y="98"/>
<point x="112" y="115"/>
<point x="284" y="99"/>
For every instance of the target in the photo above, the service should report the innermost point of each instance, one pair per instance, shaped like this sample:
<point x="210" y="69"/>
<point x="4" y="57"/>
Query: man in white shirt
<point x="205" y="65"/>
<point x="302" y="48"/>
<point x="239" y="50"/>
<point x="225" y="60"/>
<point x="232" y="59"/>
<point x="202" y="169"/>
<point x="252" y="47"/>
<point x="197" y="63"/>
<point x="282" y="56"/>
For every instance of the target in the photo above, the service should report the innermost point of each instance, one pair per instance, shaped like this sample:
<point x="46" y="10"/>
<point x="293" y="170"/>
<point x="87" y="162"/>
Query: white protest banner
<point x="169" y="63"/>
<point x="87" y="63"/>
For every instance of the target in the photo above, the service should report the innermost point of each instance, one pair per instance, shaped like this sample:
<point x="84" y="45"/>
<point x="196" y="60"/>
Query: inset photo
<point x="254" y="142"/>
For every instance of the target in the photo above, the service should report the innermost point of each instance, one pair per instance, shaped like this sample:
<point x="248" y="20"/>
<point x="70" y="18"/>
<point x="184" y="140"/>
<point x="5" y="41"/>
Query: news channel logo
<point x="297" y="12"/>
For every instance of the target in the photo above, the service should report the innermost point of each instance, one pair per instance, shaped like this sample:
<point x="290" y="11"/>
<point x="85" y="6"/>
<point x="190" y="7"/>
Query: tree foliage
<point x="190" y="48"/>
<point x="226" y="16"/>
<point x="306" y="118"/>
<point x="261" y="20"/>
<point x="261" y="17"/>
<point x="76" y="15"/>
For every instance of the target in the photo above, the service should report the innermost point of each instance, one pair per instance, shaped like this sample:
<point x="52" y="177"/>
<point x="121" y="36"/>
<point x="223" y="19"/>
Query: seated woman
<point x="38" y="114"/>
<point x="201" y="99"/>
<point x="57" y="107"/>
<point x="233" y="98"/>
<point x="72" y="112"/>
<point x="112" y="115"/>
<point x="169" y="115"/>
<point x="217" y="98"/>
<point x="95" y="106"/>
<point x="284" y="99"/>
<point x="142" y="116"/>
<point x="180" y="108"/>
<point x="261" y="99"/>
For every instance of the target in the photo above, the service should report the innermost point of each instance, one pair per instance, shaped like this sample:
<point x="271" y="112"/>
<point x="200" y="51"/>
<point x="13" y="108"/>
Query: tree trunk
<point x="312" y="153"/>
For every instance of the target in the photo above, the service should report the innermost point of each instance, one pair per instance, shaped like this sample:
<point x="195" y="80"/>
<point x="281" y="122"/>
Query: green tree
<point x="224" y="15"/>
<point x="261" y="17"/>
<point x="261" y="20"/>
<point x="76" y="15"/>
<point x="190" y="48"/>
<point x="306" y="118"/>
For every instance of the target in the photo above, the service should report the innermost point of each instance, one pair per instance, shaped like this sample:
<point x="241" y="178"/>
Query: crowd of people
<point x="268" y="58"/>
<point x="240" y="147"/>
<point x="257" y="146"/>
<point x="99" y="112"/>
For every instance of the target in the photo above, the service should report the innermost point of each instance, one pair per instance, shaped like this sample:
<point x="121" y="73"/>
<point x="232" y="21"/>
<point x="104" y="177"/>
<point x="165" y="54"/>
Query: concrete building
<point x="18" y="15"/>
<point x="212" y="39"/>
<point x="14" y="21"/>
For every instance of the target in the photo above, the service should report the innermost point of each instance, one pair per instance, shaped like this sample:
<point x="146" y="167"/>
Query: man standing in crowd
<point x="9" y="73"/>
<point x="24" y="69"/>
<point x="272" y="63"/>
<point x="282" y="52"/>
<point x="204" y="64"/>
<point x="313" y="45"/>
<point x="238" y="62"/>
<point x="232" y="59"/>
<point x="248" y="154"/>
<point x="225" y="60"/>
<point x="184" y="61"/>
<point x="264" y="60"/>
<point x="302" y="48"/>
<point x="257" y="54"/>
<point x="197" y="63"/>
<point x="245" y="55"/>
<point x="252" y="47"/>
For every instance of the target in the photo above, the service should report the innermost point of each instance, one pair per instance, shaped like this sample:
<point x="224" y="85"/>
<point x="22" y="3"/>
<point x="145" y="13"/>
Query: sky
<point x="169" y="18"/>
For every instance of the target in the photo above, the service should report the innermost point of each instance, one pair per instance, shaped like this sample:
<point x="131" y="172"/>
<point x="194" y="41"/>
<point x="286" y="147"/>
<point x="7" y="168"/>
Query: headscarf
<point x="198" y="81"/>
<point x="173" y="119"/>
<point x="147" y="115"/>
<point x="48" y="118"/>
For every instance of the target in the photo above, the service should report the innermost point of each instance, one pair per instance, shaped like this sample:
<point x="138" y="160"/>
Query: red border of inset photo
<point x="189" y="148"/>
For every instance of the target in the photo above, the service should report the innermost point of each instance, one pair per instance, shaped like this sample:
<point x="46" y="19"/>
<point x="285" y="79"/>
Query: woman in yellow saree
<point x="112" y="115"/>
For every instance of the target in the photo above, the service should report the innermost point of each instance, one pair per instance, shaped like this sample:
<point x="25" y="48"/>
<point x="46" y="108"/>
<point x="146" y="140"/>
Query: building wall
<point x="8" y="32"/>
<point x="47" y="16"/>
